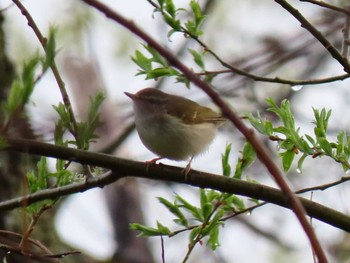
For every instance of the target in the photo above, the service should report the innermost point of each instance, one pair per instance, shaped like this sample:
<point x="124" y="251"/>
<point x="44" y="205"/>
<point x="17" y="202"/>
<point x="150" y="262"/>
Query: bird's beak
<point x="130" y="95"/>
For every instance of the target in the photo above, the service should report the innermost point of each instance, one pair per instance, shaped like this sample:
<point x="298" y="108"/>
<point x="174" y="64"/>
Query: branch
<point x="122" y="168"/>
<point x="328" y="6"/>
<point x="260" y="148"/>
<point x="317" y="34"/>
<point x="59" y="80"/>
<point x="292" y="82"/>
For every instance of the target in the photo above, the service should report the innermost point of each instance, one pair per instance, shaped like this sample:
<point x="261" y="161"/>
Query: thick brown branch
<point x="122" y="168"/>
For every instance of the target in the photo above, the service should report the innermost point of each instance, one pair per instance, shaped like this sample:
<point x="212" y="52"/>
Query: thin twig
<point x="317" y="34"/>
<point x="162" y="246"/>
<point x="282" y="80"/>
<point x="346" y="34"/>
<point x="260" y="148"/>
<point x="328" y="6"/>
<point x="324" y="186"/>
<point x="32" y="224"/>
<point x="57" y="75"/>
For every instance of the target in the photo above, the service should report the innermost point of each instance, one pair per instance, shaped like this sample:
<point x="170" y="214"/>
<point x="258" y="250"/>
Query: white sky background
<point x="118" y="75"/>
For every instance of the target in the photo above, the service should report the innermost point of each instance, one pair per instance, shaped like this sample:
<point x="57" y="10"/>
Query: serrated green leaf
<point x="142" y="61"/>
<point x="175" y="210"/>
<point x="50" y="47"/>
<point x="257" y="123"/>
<point x="196" y="213"/>
<point x="198" y="58"/>
<point x="169" y="6"/>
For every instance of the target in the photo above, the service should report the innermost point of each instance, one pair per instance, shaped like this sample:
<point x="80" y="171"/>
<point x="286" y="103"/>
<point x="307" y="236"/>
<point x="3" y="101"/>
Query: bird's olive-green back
<point x="191" y="112"/>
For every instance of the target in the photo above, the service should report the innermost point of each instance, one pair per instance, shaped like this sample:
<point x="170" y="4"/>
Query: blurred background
<point x="95" y="54"/>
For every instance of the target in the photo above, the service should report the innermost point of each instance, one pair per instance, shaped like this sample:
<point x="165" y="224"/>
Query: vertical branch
<point x="346" y="33"/>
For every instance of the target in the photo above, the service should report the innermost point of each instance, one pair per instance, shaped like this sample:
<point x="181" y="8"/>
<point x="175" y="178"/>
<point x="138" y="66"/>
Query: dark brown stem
<point x="57" y="75"/>
<point x="328" y="6"/>
<point x="122" y="168"/>
<point x="317" y="34"/>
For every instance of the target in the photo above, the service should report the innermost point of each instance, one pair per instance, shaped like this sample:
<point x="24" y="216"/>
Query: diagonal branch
<point x="260" y="149"/>
<point x="57" y="75"/>
<point x="317" y="34"/>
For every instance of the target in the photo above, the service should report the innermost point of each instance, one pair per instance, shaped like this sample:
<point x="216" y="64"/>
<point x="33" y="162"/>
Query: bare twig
<point x="328" y="6"/>
<point x="346" y="34"/>
<point x="284" y="81"/>
<point x="317" y="34"/>
<point x="260" y="149"/>
<point x="32" y="224"/>
<point x="324" y="186"/>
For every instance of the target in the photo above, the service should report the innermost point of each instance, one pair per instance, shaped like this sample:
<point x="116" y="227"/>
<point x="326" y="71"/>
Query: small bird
<point x="173" y="127"/>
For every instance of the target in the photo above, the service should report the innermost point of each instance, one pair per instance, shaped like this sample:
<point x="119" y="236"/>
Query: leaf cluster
<point x="85" y="129"/>
<point x="203" y="221"/>
<point x="170" y="14"/>
<point x="23" y="85"/>
<point x="291" y="143"/>
<point x="41" y="179"/>
<point x="153" y="65"/>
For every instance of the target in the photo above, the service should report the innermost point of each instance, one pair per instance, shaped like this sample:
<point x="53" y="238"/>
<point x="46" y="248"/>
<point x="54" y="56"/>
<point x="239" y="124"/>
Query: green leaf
<point x="198" y="58"/>
<point x="326" y="146"/>
<point x="247" y="158"/>
<point x="150" y="231"/>
<point x="260" y="125"/>
<point x="311" y="140"/>
<point x="226" y="167"/>
<point x="142" y="61"/>
<point x="170" y="7"/>
<point x="283" y="112"/>
<point x="195" y="232"/>
<point x="196" y="213"/>
<point x="300" y="162"/>
<point x="196" y="9"/>
<point x="175" y="210"/>
<point x="213" y="239"/>
<point x="38" y="180"/>
<point x="50" y="47"/>
<point x="161" y="72"/>
<point x="287" y="159"/>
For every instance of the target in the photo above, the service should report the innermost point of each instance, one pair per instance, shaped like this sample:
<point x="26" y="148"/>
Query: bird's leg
<point x="153" y="161"/>
<point x="188" y="168"/>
